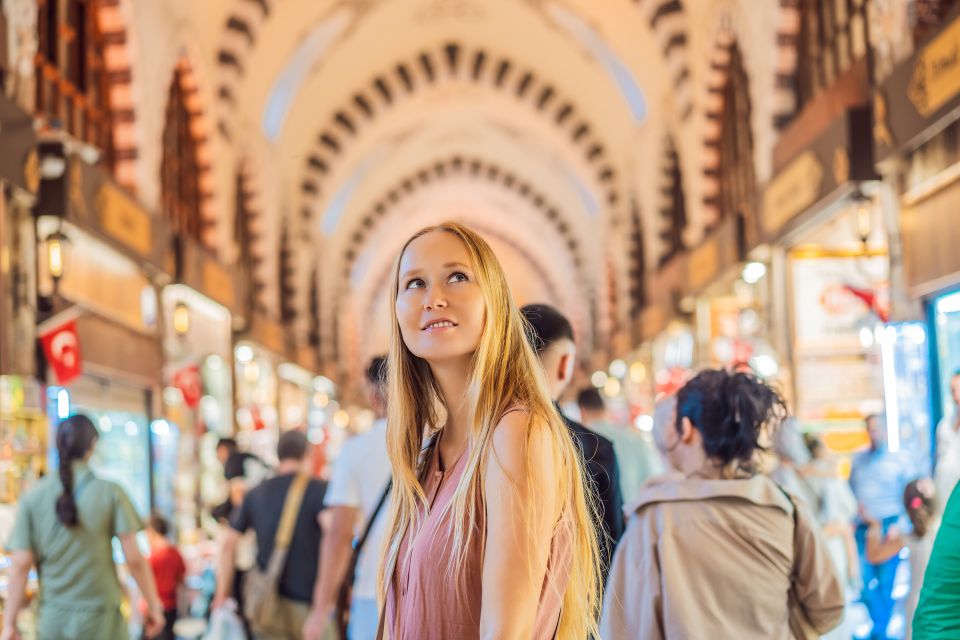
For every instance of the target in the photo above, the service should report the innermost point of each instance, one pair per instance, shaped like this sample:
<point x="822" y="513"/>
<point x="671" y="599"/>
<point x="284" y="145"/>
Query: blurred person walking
<point x="551" y="337"/>
<point x="490" y="533"/>
<point x="878" y="478"/>
<point x="835" y="508"/>
<point x="65" y="526"/>
<point x="947" y="470"/>
<point x="719" y="550"/>
<point x="356" y="503"/>
<point x="168" y="569"/>
<point x="284" y="512"/>
<point x="919" y="503"/>
<point x="636" y="459"/>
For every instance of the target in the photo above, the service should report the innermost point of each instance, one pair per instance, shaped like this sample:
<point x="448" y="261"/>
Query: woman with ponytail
<point x="718" y="550"/>
<point x="491" y="533"/>
<point x="65" y="526"/>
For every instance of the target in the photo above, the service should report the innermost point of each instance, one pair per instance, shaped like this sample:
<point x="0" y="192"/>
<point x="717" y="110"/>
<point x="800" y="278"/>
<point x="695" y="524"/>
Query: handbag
<point x="261" y="586"/>
<point x="342" y="616"/>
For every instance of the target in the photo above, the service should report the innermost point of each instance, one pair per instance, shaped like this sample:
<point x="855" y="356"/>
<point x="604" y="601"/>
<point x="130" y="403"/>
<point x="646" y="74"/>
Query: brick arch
<point x="788" y="34"/>
<point x="249" y="232"/>
<point x="668" y="21"/>
<point x="719" y="74"/>
<point x="186" y="80"/>
<point x="450" y="62"/>
<point x="119" y="63"/>
<point x="240" y="32"/>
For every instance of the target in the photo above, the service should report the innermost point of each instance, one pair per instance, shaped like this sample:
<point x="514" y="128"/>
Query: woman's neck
<point x="453" y="378"/>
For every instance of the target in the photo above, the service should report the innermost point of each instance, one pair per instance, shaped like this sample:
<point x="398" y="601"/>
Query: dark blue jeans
<point x="878" y="581"/>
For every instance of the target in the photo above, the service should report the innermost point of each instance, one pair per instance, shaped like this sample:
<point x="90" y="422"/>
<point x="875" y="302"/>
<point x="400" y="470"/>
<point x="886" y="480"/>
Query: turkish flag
<point x="190" y="385"/>
<point x="61" y="346"/>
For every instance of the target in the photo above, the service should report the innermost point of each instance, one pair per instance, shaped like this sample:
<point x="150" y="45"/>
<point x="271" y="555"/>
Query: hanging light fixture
<point x="864" y="216"/>
<point x="55" y="251"/>
<point x="181" y="318"/>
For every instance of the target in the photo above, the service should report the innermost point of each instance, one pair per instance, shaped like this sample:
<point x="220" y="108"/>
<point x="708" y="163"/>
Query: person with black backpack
<point x="356" y="507"/>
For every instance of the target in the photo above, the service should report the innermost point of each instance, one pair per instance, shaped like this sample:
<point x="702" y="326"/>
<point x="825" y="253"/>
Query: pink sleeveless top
<point x="424" y="604"/>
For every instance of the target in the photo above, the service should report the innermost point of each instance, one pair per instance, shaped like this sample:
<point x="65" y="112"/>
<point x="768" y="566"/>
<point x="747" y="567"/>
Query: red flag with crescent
<point x="61" y="346"/>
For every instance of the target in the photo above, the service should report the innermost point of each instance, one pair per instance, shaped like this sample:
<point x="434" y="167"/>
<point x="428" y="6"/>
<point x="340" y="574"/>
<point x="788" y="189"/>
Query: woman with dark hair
<point x="65" y="526"/>
<point x="718" y="550"/>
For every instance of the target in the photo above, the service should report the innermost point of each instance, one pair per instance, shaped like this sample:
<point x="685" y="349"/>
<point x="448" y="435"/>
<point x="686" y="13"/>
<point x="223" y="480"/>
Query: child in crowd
<point x="168" y="571"/>
<point x="918" y="499"/>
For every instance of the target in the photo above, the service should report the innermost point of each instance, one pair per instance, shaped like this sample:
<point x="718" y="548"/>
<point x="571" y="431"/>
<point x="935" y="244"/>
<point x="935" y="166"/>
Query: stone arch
<point x="668" y="21"/>
<point x="452" y="61"/>
<point x="186" y="79"/>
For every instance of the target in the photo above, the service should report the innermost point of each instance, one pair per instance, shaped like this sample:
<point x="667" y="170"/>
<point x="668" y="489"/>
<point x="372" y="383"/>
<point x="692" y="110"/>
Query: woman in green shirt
<point x="65" y="526"/>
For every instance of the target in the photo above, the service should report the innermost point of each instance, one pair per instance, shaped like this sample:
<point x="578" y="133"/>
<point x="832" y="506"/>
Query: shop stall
<point x="822" y="219"/>
<point x="917" y="145"/>
<point x="97" y="264"/>
<point x="23" y="433"/>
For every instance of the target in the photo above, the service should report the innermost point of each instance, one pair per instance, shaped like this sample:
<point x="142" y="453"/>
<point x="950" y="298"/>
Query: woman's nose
<point x="434" y="299"/>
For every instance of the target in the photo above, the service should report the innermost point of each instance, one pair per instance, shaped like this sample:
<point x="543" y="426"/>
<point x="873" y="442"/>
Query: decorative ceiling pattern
<point x="336" y="124"/>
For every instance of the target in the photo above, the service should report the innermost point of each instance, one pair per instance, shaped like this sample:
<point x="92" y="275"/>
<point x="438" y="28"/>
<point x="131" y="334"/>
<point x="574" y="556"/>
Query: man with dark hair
<point x="551" y="336"/>
<point x="635" y="456"/>
<point x="240" y="464"/>
<point x="261" y="511"/>
<point x="356" y="500"/>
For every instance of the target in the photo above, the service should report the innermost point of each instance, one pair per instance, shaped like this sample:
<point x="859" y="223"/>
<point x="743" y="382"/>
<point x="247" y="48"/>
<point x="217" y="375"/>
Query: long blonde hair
<point x="505" y="373"/>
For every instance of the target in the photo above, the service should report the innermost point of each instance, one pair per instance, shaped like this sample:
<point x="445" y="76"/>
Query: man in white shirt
<point x="359" y="482"/>
<point x="947" y="473"/>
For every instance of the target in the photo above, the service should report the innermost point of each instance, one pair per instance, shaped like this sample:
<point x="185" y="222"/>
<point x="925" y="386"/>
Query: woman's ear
<point x="687" y="431"/>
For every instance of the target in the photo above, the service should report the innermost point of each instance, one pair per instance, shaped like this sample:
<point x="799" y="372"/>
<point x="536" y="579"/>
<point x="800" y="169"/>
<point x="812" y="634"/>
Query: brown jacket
<point x="713" y="559"/>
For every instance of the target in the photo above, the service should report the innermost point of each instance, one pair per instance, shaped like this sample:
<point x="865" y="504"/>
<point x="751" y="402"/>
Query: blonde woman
<point x="490" y="533"/>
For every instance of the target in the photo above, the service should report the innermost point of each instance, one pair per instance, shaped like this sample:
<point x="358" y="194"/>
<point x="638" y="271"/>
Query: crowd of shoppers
<point x="474" y="507"/>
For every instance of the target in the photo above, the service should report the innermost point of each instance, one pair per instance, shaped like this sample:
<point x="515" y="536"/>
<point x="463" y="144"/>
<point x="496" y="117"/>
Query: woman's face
<point x="439" y="303"/>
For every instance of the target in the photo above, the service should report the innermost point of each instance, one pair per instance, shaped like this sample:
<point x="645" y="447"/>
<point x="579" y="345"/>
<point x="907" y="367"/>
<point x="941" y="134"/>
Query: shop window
<point x="180" y="169"/>
<point x="72" y="83"/>
<point x="737" y="178"/>
<point x="833" y="36"/>
<point x="674" y="213"/>
<point x="930" y="15"/>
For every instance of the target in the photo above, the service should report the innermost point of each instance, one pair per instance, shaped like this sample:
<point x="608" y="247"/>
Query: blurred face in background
<point x="955" y="389"/>
<point x="877" y="431"/>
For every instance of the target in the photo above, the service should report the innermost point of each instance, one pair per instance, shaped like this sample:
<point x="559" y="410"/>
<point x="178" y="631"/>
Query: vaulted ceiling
<point x="545" y="124"/>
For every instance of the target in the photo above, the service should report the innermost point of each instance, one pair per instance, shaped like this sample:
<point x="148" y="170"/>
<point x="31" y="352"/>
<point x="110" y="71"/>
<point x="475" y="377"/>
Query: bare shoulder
<point x="521" y="439"/>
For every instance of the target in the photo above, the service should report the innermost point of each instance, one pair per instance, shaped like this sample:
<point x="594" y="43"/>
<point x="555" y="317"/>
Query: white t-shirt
<point x="360" y="475"/>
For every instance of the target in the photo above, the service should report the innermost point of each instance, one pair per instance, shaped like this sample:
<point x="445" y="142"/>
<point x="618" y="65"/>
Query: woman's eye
<point x="458" y="277"/>
<point x="415" y="283"/>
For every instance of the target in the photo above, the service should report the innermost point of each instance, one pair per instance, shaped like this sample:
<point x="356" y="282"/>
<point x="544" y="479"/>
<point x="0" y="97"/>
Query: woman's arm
<point x="522" y="507"/>
<point x="140" y="570"/>
<point x="20" y="563"/>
